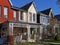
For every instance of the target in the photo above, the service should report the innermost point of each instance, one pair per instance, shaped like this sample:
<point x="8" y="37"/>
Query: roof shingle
<point x="47" y="11"/>
<point x="26" y="7"/>
<point x="57" y="16"/>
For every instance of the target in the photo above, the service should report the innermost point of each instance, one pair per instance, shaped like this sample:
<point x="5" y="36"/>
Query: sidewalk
<point x="51" y="43"/>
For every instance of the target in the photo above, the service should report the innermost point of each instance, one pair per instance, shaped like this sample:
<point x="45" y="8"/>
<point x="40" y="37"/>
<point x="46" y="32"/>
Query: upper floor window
<point x="15" y="13"/>
<point x="30" y="14"/>
<point x="33" y="17"/>
<point x="44" y="19"/>
<point x="6" y="12"/>
<point x="21" y="16"/>
<point x="0" y="11"/>
<point x="48" y="20"/>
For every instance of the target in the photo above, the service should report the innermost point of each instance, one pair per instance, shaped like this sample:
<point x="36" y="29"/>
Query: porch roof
<point x="22" y="22"/>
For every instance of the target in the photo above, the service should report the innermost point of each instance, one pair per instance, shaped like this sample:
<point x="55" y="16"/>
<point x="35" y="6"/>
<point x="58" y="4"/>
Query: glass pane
<point x="30" y="16"/>
<point x="0" y="11"/>
<point x="5" y="12"/>
<point x="21" y="15"/>
<point x="33" y="17"/>
<point x="15" y="14"/>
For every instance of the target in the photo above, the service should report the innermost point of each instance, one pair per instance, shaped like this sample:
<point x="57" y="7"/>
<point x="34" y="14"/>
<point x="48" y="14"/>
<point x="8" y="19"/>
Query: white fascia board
<point x="10" y="2"/>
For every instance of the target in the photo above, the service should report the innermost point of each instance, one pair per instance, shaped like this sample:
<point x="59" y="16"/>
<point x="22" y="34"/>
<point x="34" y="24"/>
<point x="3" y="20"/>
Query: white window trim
<point x="1" y="11"/>
<point x="7" y="12"/>
<point x="44" y="22"/>
<point x="35" y="18"/>
<point x="19" y="15"/>
<point x="15" y="15"/>
<point x="32" y="18"/>
<point x="23" y="17"/>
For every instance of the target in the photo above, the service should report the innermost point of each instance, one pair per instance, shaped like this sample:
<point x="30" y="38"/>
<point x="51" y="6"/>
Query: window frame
<point x="1" y="11"/>
<point x="15" y="15"/>
<point x="34" y="18"/>
<point x="48" y="20"/>
<point x="30" y="17"/>
<point x="22" y="15"/>
<point x="7" y="12"/>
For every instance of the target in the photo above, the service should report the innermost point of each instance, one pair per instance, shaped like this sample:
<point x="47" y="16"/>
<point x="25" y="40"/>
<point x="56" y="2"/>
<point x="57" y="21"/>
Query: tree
<point x="58" y="2"/>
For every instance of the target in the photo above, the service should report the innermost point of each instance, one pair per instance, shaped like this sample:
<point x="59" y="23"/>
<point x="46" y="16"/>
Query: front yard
<point x="28" y="44"/>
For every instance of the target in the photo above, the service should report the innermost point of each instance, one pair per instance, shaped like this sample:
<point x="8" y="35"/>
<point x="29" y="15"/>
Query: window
<point x="0" y="11"/>
<point x="33" y="17"/>
<point x="43" y="19"/>
<point x="6" y="12"/>
<point x="30" y="16"/>
<point x="21" y="15"/>
<point x="48" y="20"/>
<point x="15" y="13"/>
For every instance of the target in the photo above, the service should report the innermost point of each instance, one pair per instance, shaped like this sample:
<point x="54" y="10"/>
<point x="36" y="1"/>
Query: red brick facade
<point x="6" y="3"/>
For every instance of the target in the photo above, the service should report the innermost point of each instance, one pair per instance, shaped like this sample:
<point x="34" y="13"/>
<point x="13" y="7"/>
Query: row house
<point x="18" y="24"/>
<point x="45" y="18"/>
<point x="57" y="24"/>
<point x="25" y="24"/>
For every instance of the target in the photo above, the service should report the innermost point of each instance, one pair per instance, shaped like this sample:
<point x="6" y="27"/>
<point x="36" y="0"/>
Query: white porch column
<point x="28" y="32"/>
<point x="11" y="29"/>
<point x="35" y="35"/>
<point x="41" y="31"/>
<point x="11" y="37"/>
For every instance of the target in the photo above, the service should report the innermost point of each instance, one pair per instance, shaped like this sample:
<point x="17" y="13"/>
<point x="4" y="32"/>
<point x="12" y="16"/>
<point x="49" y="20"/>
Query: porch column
<point x="41" y="32"/>
<point x="35" y="35"/>
<point x="58" y="30"/>
<point x="28" y="33"/>
<point x="11" y="39"/>
<point x="54" y="30"/>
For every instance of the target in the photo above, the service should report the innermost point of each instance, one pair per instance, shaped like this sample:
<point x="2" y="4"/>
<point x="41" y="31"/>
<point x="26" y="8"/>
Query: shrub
<point x="58" y="38"/>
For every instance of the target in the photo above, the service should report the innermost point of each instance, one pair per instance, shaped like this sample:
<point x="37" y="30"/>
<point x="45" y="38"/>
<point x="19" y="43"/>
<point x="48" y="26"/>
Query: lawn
<point x="28" y="44"/>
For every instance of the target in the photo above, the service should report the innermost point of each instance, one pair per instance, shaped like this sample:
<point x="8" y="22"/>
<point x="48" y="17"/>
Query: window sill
<point x="22" y="20"/>
<point x="32" y="22"/>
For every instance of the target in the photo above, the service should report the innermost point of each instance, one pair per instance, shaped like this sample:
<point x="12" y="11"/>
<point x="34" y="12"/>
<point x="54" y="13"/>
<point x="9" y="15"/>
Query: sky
<point x="40" y="4"/>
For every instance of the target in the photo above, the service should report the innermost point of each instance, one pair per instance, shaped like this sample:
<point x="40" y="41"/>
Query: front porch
<point x="21" y="34"/>
<point x="21" y="31"/>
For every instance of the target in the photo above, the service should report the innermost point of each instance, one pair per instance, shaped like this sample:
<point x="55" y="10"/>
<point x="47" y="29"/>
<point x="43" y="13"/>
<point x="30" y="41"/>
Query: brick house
<point x="6" y="13"/>
<point x="25" y="24"/>
<point x="18" y="24"/>
<point x="5" y="6"/>
<point x="57" y="23"/>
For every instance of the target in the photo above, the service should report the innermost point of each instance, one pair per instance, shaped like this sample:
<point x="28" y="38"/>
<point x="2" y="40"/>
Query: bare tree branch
<point x="58" y="2"/>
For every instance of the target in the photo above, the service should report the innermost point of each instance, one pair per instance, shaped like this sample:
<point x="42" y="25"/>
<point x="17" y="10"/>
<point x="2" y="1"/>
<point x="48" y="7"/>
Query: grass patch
<point x="26" y="43"/>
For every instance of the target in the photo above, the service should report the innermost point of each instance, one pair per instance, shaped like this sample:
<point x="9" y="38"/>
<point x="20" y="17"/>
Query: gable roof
<point x="57" y="16"/>
<point x="26" y="7"/>
<point x="46" y="11"/>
